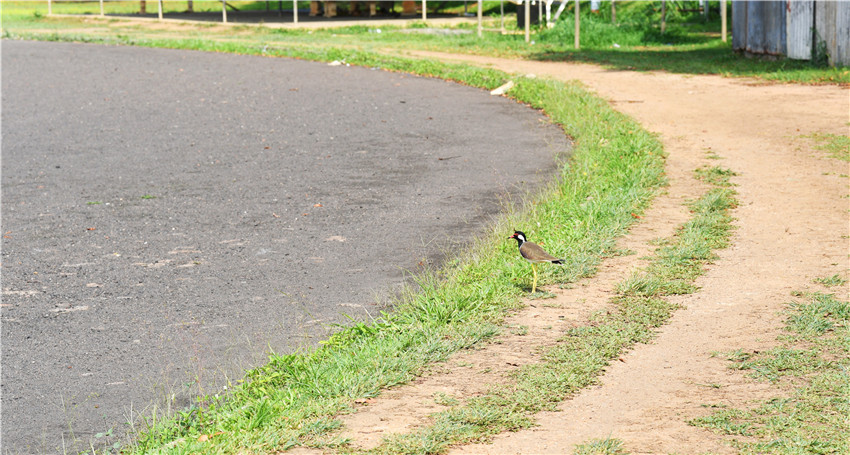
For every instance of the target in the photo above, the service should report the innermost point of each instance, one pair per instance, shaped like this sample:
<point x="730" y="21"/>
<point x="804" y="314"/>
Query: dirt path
<point x="792" y="227"/>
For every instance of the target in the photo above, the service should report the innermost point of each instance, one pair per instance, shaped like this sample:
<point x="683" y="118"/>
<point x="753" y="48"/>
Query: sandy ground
<point x="792" y="226"/>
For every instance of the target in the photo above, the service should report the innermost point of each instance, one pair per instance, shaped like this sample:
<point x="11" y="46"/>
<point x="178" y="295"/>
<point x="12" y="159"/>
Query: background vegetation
<point x="691" y="44"/>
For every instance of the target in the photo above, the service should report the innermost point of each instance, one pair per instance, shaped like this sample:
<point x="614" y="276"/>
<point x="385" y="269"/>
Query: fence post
<point x="224" y="11"/>
<point x="480" y="6"/>
<point x="577" y="27"/>
<point x="527" y="6"/>
<point x="723" y="19"/>
<point x="502" y="16"/>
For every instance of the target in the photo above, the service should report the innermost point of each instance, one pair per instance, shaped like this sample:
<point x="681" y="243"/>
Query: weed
<point x="715" y="175"/>
<point x="834" y="145"/>
<point x="834" y="280"/>
<point x="520" y="330"/>
<point x="443" y="399"/>
<point x="601" y="447"/>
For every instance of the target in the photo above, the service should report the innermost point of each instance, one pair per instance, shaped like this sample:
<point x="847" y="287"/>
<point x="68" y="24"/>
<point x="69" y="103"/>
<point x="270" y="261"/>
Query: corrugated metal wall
<point x="832" y="21"/>
<point x="788" y="27"/>
<point x="759" y="27"/>
<point x="798" y="21"/>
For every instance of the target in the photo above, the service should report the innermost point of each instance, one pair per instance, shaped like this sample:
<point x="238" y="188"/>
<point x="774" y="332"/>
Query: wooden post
<point x="723" y="19"/>
<point x="159" y="9"/>
<point x="480" y="7"/>
<point x="527" y="6"/>
<point x="101" y="8"/>
<point x="224" y="11"/>
<point x="577" y="27"/>
<point x="49" y="7"/>
<point x="143" y="7"/>
<point x="190" y="6"/>
<point x="424" y="11"/>
<point x="295" y="11"/>
<point x="663" y="16"/>
<point x="613" y="12"/>
<point x="502" y="16"/>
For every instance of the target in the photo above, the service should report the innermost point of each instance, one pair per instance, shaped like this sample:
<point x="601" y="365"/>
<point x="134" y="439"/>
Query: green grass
<point x="809" y="414"/>
<point x="836" y="146"/>
<point x="601" y="447"/>
<point x="834" y="280"/>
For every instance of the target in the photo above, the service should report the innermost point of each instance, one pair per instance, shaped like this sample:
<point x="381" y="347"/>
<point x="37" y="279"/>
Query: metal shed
<point x="798" y="29"/>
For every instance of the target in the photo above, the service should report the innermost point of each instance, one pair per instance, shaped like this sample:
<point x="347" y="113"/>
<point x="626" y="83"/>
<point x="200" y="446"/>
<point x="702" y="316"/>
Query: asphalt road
<point x="170" y="216"/>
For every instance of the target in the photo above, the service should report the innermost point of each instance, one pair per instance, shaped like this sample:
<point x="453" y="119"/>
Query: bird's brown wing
<point x="535" y="253"/>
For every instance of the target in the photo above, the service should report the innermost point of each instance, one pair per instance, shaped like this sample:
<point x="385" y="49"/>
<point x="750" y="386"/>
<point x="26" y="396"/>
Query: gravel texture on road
<point x="171" y="216"/>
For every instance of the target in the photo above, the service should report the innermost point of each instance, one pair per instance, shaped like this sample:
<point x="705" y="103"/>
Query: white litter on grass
<point x="503" y="88"/>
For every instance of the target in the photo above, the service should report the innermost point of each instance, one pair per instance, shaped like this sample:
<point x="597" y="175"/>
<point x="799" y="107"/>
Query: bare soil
<point x="791" y="227"/>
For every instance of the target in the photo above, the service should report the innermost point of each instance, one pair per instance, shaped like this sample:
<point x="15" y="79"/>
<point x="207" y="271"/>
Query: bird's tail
<point x="558" y="261"/>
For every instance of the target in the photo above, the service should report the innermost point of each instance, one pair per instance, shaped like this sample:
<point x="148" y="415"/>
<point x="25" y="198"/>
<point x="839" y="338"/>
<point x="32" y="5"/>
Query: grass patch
<point x="812" y="362"/>
<point x="601" y="447"/>
<point x="834" y="280"/>
<point x="715" y="175"/>
<point x="836" y="146"/>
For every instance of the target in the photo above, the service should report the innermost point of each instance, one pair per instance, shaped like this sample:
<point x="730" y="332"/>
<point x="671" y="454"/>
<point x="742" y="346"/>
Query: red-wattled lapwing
<point x="534" y="254"/>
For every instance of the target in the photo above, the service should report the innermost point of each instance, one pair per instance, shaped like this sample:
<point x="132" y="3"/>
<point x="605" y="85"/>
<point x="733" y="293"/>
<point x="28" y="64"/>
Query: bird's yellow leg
<point x="534" y="269"/>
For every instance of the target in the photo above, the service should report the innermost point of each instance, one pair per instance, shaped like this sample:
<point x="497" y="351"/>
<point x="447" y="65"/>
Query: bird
<point x="534" y="254"/>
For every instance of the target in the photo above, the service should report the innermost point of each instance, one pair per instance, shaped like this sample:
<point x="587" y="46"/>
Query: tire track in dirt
<point x="791" y="228"/>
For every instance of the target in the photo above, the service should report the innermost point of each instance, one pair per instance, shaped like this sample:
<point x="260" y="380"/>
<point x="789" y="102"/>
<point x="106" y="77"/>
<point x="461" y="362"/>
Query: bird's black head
<point x="519" y="236"/>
